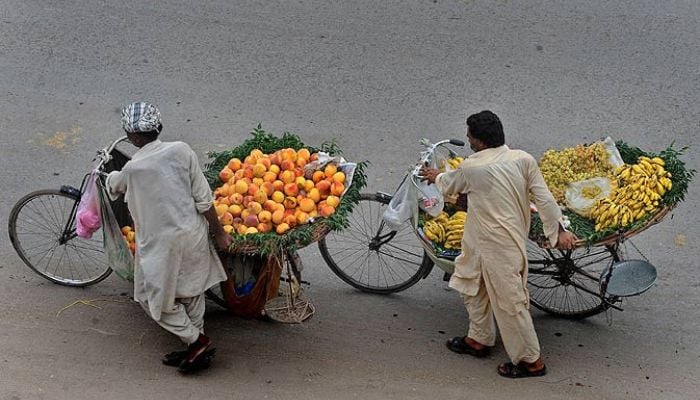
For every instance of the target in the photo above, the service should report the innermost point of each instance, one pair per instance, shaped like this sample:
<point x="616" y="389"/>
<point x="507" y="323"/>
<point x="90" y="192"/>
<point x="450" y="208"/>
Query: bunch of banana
<point x="455" y="162"/>
<point x="641" y="187"/>
<point x="455" y="230"/>
<point x="435" y="228"/>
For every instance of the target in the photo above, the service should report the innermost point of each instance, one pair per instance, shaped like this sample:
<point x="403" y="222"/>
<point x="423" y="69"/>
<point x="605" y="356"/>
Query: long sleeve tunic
<point x="167" y="193"/>
<point x="499" y="184"/>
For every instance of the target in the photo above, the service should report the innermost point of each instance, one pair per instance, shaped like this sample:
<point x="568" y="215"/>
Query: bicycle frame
<point x="103" y="157"/>
<point x="564" y="264"/>
<point x="380" y="239"/>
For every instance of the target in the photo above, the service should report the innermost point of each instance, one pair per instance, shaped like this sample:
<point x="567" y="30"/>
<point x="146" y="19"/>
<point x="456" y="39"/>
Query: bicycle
<point x="408" y="262"/>
<point x="574" y="284"/>
<point x="42" y="230"/>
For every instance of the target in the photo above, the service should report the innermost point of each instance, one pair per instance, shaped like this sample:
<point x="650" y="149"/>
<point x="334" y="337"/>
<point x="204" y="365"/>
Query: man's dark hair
<point x="152" y="135"/>
<point x="486" y="127"/>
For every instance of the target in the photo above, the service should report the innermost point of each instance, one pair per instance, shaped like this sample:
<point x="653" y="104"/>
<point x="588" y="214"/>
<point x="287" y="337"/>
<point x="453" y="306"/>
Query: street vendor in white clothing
<point x="491" y="271"/>
<point x="171" y="204"/>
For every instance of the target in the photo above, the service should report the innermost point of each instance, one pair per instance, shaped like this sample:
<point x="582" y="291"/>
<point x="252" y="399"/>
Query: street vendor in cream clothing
<point x="171" y="204"/>
<point x="491" y="271"/>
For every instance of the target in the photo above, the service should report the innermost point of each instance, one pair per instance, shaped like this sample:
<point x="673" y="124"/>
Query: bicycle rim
<point x="352" y="254"/>
<point x="36" y="225"/>
<point x="567" y="284"/>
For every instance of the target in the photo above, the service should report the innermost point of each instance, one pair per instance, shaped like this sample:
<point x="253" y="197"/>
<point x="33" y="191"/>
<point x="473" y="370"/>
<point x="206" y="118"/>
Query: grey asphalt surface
<point x="377" y="76"/>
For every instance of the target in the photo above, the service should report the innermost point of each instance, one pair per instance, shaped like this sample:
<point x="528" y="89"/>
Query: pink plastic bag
<point x="88" y="216"/>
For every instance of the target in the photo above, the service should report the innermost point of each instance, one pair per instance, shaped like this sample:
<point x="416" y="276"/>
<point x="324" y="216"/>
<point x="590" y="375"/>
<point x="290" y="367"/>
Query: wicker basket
<point x="319" y="231"/>
<point x="615" y="237"/>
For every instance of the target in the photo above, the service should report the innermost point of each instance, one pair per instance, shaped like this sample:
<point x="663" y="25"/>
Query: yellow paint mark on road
<point x="59" y="140"/>
<point x="680" y="240"/>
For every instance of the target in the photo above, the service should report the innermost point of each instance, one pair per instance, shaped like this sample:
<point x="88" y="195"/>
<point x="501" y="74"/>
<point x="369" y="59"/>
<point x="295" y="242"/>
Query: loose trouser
<point x="185" y="319"/>
<point x="517" y="331"/>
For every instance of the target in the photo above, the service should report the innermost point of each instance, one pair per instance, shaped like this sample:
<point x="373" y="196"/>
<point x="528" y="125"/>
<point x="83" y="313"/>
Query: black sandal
<point x="203" y="361"/>
<point x="458" y="345"/>
<point x="510" y="370"/>
<point x="175" y="358"/>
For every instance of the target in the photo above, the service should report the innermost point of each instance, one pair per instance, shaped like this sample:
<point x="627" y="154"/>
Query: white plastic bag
<point x="430" y="199"/>
<point x="118" y="254"/>
<point x="581" y="196"/>
<point x="324" y="159"/>
<point x="615" y="158"/>
<point x="88" y="214"/>
<point x="403" y="206"/>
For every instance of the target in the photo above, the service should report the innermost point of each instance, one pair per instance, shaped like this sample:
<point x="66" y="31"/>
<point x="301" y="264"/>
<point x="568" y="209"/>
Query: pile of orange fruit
<point x="272" y="193"/>
<point x="129" y="235"/>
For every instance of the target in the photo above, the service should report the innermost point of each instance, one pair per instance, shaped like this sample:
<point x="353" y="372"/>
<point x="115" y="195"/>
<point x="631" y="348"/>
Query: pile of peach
<point x="129" y="235"/>
<point x="271" y="193"/>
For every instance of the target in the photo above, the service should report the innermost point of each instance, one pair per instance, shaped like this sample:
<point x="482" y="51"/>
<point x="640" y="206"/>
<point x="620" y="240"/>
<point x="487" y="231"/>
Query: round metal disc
<point x="629" y="278"/>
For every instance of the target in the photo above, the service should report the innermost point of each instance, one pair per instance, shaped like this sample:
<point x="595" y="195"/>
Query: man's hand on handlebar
<point x="428" y="174"/>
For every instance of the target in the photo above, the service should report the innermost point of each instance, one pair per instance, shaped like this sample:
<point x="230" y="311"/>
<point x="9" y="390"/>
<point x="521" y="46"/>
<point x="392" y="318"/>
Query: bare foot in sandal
<point x="523" y="369"/>
<point x="465" y="345"/>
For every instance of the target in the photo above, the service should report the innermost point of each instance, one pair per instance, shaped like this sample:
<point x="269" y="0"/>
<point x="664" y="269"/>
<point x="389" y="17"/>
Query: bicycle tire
<point x="562" y="283"/>
<point x="36" y="225"/>
<point x="365" y="221"/>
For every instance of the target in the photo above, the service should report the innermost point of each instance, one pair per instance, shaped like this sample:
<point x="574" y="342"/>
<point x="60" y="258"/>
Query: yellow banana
<point x="658" y="161"/>
<point x="461" y="215"/>
<point x="668" y="184"/>
<point x="646" y="166"/>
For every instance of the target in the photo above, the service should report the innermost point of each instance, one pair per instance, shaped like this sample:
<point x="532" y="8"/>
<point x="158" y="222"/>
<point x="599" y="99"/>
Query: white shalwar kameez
<point x="175" y="261"/>
<point x="491" y="271"/>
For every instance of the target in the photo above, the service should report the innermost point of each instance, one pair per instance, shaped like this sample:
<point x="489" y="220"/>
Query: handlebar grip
<point x="457" y="142"/>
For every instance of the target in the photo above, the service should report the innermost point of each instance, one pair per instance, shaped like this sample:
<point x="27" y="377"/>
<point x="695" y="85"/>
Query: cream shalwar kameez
<point x="491" y="271"/>
<point x="175" y="262"/>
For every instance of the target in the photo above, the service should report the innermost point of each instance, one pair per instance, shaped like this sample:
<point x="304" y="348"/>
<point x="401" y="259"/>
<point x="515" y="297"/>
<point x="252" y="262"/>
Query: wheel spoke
<point x="566" y="282"/>
<point x="393" y="265"/>
<point x="37" y="225"/>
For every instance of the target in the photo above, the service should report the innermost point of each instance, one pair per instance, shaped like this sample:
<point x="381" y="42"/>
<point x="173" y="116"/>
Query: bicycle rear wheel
<point x="371" y="257"/>
<point x="567" y="283"/>
<point x="37" y="228"/>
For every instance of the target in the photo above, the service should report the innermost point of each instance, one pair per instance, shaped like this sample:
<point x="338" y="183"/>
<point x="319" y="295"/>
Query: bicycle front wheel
<point x="39" y="231"/>
<point x="371" y="257"/>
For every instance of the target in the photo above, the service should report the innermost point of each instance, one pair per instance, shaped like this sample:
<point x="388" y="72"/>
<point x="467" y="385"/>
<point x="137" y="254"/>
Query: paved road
<point x="377" y="76"/>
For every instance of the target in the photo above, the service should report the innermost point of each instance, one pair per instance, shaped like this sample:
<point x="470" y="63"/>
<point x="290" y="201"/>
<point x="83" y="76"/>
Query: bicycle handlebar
<point x="105" y="155"/>
<point x="431" y="147"/>
<point x="428" y="153"/>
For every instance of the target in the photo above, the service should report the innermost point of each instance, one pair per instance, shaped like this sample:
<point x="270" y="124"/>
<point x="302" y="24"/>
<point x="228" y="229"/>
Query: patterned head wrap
<point x="141" y="117"/>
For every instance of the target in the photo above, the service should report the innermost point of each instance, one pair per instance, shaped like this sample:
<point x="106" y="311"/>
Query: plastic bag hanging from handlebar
<point x="403" y="205"/>
<point x="118" y="254"/>
<point x="88" y="214"/>
<point x="411" y="195"/>
<point x="429" y="197"/>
